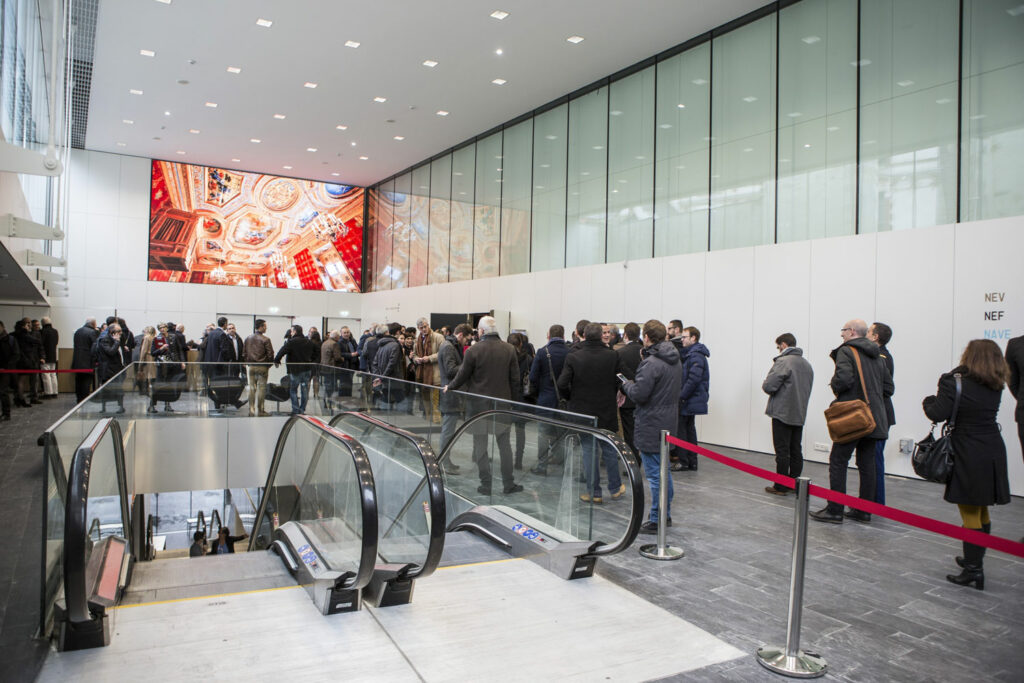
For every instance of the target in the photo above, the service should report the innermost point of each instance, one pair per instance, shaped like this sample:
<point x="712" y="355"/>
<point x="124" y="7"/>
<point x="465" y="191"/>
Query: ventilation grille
<point x="83" y="16"/>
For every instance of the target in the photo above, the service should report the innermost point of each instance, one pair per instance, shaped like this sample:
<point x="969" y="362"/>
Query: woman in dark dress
<point x="979" y="454"/>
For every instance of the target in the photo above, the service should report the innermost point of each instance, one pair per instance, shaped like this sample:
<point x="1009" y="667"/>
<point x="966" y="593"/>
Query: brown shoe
<point x="587" y="498"/>
<point x="775" y="491"/>
<point x="618" y="494"/>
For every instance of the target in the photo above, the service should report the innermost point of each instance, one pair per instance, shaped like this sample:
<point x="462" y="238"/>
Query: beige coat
<point x="147" y="369"/>
<point x="428" y="372"/>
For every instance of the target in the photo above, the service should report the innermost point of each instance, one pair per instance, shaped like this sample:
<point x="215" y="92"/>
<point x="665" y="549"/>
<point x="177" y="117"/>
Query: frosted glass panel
<point x="631" y="167"/>
<point x="908" y="71"/>
<point x="683" y="146"/>
<point x="515" y="198"/>
<point x="743" y="139"/>
<point x="440" y="218"/>
<point x="461" y="247"/>
<point x="588" y="163"/>
<point x="549" y="159"/>
<point x="487" y="206"/>
<point x="817" y="120"/>
<point x="419" y="223"/>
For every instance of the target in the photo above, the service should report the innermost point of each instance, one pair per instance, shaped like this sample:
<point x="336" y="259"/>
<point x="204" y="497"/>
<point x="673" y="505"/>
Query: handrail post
<point x="661" y="550"/>
<point x="792" y="661"/>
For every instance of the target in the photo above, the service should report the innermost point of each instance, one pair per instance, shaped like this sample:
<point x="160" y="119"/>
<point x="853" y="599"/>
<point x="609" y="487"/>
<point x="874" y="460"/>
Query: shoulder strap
<point x="551" y="370"/>
<point x="956" y="401"/>
<point x="860" y="371"/>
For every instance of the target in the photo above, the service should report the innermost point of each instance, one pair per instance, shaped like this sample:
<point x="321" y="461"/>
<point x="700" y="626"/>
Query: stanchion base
<point x="651" y="552"/>
<point x="803" y="665"/>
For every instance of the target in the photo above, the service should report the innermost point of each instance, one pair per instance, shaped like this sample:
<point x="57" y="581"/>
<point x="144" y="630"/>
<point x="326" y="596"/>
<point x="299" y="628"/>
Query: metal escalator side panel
<point x="332" y="590"/>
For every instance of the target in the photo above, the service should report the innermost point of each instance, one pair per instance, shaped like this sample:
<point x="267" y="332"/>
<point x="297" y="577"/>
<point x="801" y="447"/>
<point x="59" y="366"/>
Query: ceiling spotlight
<point x="165" y="2"/>
<point x="133" y="91"/>
<point x="351" y="43"/>
<point x="309" y="84"/>
<point x="499" y="14"/>
<point x="181" y="151"/>
<point x="120" y="144"/>
<point x="211" y="105"/>
<point x="363" y="158"/>
<point x="194" y="131"/>
<point x="353" y="143"/>
<point x="575" y="40"/>
<point x="256" y="140"/>
<point x="287" y="168"/>
<point x="237" y="161"/>
<point x="499" y="81"/>
<point x="234" y="70"/>
<point x="341" y="127"/>
<point x="442" y="112"/>
<point x="499" y="52"/>
<point x="147" y="53"/>
<point x="335" y="174"/>
<point x="265" y="23"/>
<point x="399" y="137"/>
<point x="279" y="117"/>
<point x="167" y="113"/>
<point x="128" y="121"/>
<point x="430" y="62"/>
<point x="681" y="105"/>
<point x="311" y="149"/>
<point x="380" y="99"/>
<point x="904" y="84"/>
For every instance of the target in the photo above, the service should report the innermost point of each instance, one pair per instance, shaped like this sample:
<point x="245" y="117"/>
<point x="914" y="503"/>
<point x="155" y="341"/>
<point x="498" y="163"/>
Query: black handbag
<point x="933" y="458"/>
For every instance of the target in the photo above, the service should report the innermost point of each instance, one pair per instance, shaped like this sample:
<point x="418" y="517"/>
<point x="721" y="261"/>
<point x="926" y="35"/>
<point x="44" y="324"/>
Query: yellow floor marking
<point x="206" y="597"/>
<point x="477" y="564"/>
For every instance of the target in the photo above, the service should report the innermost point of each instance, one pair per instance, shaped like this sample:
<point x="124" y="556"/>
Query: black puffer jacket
<point x="656" y="394"/>
<point x="846" y="382"/>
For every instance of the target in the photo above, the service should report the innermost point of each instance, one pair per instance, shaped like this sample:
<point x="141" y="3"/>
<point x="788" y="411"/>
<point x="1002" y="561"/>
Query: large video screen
<point x="217" y="226"/>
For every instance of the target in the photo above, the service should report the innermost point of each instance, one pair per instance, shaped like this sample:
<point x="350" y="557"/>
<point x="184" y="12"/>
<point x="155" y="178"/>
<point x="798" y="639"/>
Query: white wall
<point x="929" y="284"/>
<point x="108" y="260"/>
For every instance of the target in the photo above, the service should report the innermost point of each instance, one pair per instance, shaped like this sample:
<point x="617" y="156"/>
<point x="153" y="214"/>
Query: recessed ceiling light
<point x="499" y="81"/>
<point x="311" y="149"/>
<point x="167" y="113"/>
<point x="430" y="62"/>
<point x="234" y="70"/>
<point x="807" y="146"/>
<point x="265" y="23"/>
<point x="681" y="105"/>
<point x="380" y="99"/>
<point x="309" y="84"/>
<point x="256" y="140"/>
<point x="810" y="40"/>
<point x="165" y="2"/>
<point x="133" y="91"/>
<point x="351" y="43"/>
<point x="750" y="98"/>
<point x="236" y="161"/>
<point x="399" y="137"/>
<point x="120" y="144"/>
<point x="180" y="151"/>
<point x="279" y="117"/>
<point x="904" y="84"/>
<point x="335" y="174"/>
<point x="194" y="131"/>
<point x="699" y="81"/>
<point x="353" y="143"/>
<point x="363" y="158"/>
<point x="550" y="137"/>
<point x="545" y="165"/>
<point x="211" y="105"/>
<point x="341" y="127"/>
<point x="499" y="14"/>
<point x="147" y="53"/>
<point x="128" y="121"/>
<point x="287" y="168"/>
<point x="442" y="112"/>
<point x="575" y="40"/>
<point x="499" y="52"/>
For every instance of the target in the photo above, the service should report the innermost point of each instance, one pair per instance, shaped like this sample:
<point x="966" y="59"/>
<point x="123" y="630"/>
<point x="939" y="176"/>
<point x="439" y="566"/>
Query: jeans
<point x="592" y="468"/>
<point x="880" y="471"/>
<point x="299" y="380"/>
<point x="652" y="469"/>
<point x="789" y="456"/>
<point x="839" y="459"/>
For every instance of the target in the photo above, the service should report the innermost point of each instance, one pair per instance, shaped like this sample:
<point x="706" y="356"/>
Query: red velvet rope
<point x="1004" y="545"/>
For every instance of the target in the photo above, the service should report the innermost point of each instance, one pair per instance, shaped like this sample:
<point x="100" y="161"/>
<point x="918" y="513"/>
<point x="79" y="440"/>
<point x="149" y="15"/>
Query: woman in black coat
<point x="979" y="454"/>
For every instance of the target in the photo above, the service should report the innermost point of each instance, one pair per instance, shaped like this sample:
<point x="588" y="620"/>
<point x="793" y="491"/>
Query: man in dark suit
<point x="230" y="358"/>
<point x="629" y="360"/>
<point x="211" y="357"/>
<point x="490" y="368"/>
<point x="544" y="371"/>
<point x="85" y="337"/>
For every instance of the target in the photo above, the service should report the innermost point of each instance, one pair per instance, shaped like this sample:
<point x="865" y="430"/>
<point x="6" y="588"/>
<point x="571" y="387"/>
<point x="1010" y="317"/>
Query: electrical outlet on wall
<point x="906" y="446"/>
<point x="822" y="447"/>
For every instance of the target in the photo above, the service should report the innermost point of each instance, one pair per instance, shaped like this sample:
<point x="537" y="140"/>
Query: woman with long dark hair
<point x="979" y="454"/>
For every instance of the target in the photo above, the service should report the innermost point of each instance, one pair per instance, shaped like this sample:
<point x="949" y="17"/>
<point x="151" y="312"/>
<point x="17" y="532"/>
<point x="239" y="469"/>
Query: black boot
<point x="973" y="570"/>
<point x="985" y="529"/>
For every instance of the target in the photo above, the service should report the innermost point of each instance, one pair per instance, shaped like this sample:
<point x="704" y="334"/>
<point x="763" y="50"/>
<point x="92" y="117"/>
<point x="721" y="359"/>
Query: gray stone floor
<point x="877" y="606"/>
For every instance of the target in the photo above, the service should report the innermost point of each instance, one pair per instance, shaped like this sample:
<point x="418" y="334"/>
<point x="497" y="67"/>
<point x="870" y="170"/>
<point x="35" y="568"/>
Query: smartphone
<point x="622" y="378"/>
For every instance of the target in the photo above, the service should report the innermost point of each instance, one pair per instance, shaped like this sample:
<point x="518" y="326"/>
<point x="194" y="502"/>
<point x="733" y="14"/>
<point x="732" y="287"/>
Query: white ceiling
<point x="197" y="40"/>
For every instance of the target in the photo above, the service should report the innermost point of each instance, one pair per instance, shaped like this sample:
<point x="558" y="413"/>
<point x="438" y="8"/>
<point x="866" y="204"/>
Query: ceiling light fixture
<point x="165" y="2"/>
<point x="363" y="158"/>
<point x="499" y="52"/>
<point x="133" y="91"/>
<point x="904" y="84"/>
<point x="147" y="53"/>
<point x="341" y="127"/>
<point x="575" y="40"/>
<point x="399" y="137"/>
<point x="351" y="43"/>
<point x="430" y="62"/>
<point x="442" y="112"/>
<point x="499" y="14"/>
<point x="380" y="99"/>
<point x="311" y="149"/>
<point x="309" y="84"/>
<point x="211" y="105"/>
<point x="120" y="144"/>
<point x="279" y="117"/>
<point x="681" y="105"/>
<point x="499" y="81"/>
<point x="287" y="168"/>
<point x="180" y="151"/>
<point x="256" y="140"/>
<point x="128" y="121"/>
<point x="265" y="23"/>
<point x="353" y="143"/>
<point x="335" y="174"/>
<point x="194" y="131"/>
<point x="234" y="70"/>
<point x="237" y="161"/>
<point x="167" y="113"/>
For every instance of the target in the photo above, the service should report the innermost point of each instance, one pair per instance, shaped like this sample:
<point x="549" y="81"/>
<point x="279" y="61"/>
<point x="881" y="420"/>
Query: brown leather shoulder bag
<point x="849" y="421"/>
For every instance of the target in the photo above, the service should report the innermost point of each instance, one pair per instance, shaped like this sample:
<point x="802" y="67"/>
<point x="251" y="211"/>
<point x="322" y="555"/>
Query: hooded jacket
<point x="693" y="395"/>
<point x="388" y="360"/>
<point x="655" y="391"/>
<point x="846" y="382"/>
<point x="788" y="386"/>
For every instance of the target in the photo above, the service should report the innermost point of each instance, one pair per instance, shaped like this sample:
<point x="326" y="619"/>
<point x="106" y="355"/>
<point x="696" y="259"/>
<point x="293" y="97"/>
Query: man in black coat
<point x="544" y="371"/>
<point x="881" y="334"/>
<point x="81" y="359"/>
<point x="112" y="360"/>
<point x="588" y="381"/>
<point x="1015" y="359"/>
<point x="846" y="385"/>
<point x="50" y="338"/>
<point x="31" y="352"/>
<point x="302" y="353"/>
<point x="629" y="361"/>
<point x="9" y="353"/>
<point x="490" y="368"/>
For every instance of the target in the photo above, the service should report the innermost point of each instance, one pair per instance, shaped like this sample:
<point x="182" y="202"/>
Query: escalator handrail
<point x="624" y="451"/>
<point x="436" y="495"/>
<point x="367" y="492"/>
<point x="76" y="593"/>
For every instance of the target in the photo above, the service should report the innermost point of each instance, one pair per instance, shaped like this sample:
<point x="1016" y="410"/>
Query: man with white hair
<point x="424" y="357"/>
<point x="50" y="338"/>
<point x="490" y="368"/>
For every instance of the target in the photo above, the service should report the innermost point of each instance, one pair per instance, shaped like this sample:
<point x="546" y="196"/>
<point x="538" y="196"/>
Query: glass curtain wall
<point x="820" y="119"/>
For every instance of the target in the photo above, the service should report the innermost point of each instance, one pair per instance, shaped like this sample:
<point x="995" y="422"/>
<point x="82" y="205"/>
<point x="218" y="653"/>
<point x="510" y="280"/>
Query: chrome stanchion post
<point x="792" y="661"/>
<point x="661" y="550"/>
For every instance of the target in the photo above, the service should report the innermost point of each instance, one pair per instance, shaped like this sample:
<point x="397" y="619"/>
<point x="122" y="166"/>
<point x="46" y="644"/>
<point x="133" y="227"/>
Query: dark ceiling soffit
<point x="748" y="18"/>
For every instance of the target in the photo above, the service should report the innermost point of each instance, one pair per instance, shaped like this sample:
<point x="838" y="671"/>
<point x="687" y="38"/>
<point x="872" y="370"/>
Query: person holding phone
<point x="112" y="361"/>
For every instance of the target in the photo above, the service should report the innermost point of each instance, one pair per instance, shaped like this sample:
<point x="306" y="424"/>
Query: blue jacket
<point x="693" y="395"/>
<point x="540" y="374"/>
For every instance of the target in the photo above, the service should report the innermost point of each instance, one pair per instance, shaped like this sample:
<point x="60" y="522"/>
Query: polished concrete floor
<point x="877" y="606"/>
